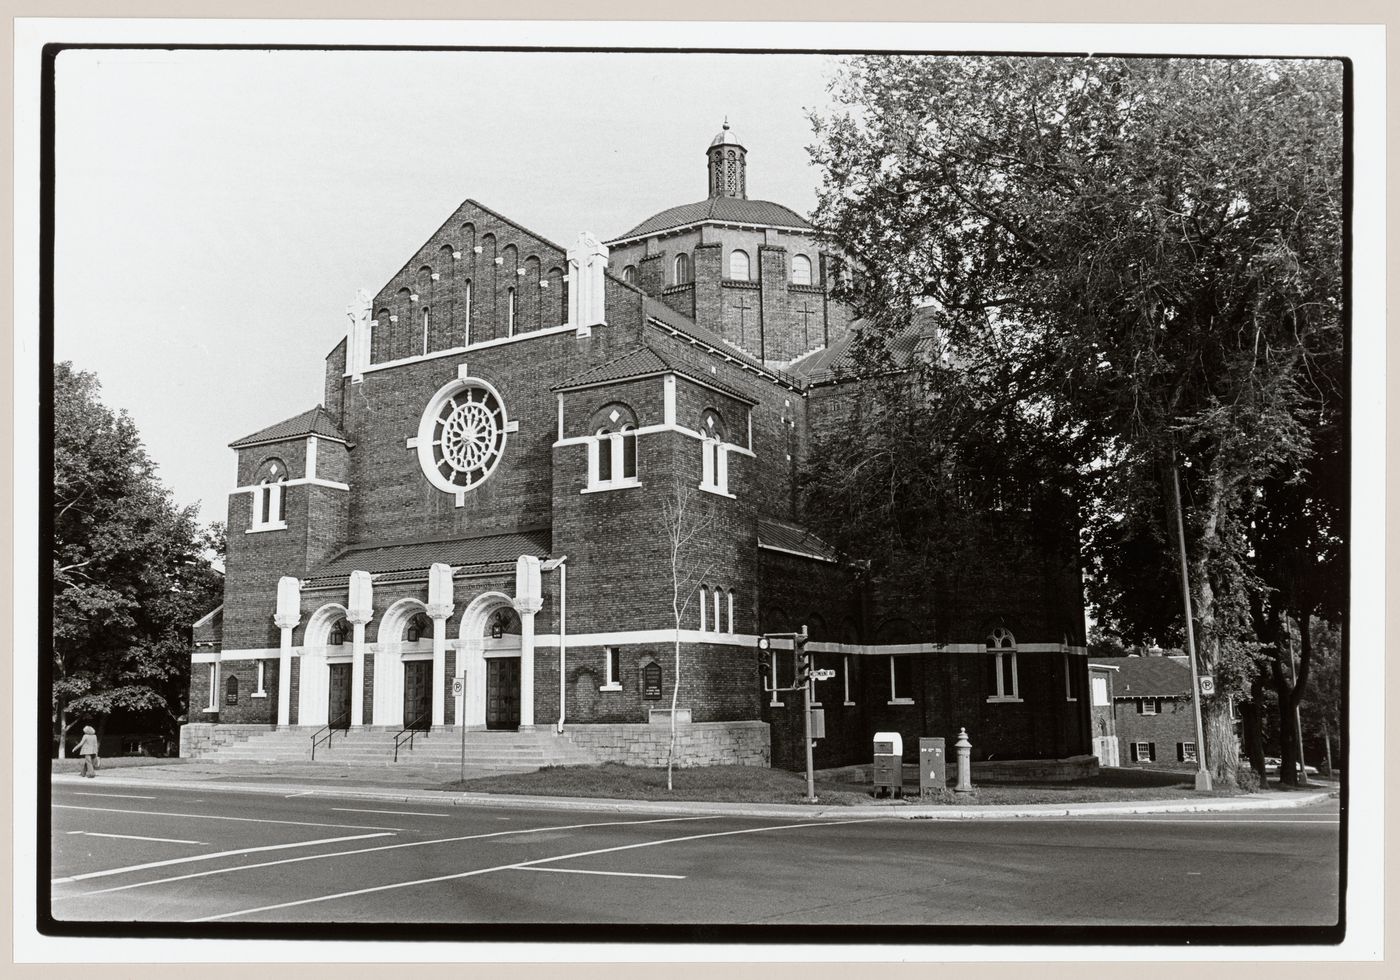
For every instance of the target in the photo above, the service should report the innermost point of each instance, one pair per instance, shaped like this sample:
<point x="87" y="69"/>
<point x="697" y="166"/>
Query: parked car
<point x="1272" y="766"/>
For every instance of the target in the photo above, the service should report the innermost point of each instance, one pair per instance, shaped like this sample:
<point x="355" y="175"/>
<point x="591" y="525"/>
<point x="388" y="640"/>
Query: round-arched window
<point x="682" y="269"/>
<point x="462" y="435"/>
<point x="801" y="270"/>
<point x="739" y="264"/>
<point x="629" y="275"/>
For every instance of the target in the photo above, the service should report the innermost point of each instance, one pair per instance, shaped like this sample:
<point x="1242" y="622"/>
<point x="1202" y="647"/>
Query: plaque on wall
<point x="651" y="682"/>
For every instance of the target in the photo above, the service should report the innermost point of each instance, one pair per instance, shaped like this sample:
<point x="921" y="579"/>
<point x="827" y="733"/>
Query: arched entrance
<point x="325" y="668"/>
<point x="403" y="667"/>
<point x="489" y="660"/>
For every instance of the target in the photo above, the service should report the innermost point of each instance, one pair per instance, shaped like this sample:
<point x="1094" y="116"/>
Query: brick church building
<point x="468" y="529"/>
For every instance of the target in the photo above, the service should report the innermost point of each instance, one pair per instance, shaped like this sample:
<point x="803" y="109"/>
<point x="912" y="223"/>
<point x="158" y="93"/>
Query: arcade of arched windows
<point x="477" y="289"/>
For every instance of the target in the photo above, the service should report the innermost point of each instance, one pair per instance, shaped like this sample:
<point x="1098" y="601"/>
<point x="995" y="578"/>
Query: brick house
<point x="465" y="531"/>
<point x="1149" y="715"/>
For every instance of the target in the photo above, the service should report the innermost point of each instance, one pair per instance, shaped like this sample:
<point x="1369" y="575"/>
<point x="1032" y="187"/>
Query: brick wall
<point x="1174" y="723"/>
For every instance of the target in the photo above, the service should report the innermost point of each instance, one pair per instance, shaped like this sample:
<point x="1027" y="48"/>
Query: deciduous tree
<point x="1146" y="252"/>
<point x="131" y="570"/>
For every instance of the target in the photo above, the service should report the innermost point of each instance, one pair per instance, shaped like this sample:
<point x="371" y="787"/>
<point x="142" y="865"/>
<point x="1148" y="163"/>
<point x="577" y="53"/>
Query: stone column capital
<point x="528" y="607"/>
<point x="440" y="610"/>
<point x="285" y="622"/>
<point x="359" y="617"/>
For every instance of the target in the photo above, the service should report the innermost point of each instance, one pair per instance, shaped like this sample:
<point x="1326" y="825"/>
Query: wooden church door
<point x="503" y="693"/>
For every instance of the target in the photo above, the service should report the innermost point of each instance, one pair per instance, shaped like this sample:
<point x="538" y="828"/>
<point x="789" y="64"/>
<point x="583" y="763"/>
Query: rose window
<point x="461" y="436"/>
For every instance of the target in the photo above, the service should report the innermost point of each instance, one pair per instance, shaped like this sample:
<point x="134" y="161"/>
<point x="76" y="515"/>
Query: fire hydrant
<point x="964" y="748"/>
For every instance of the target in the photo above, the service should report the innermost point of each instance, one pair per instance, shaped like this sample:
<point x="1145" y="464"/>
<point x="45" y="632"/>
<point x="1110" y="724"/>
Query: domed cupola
<point x="726" y="156"/>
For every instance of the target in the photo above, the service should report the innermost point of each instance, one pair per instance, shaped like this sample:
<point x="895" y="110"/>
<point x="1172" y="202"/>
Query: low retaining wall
<point x="199" y="738"/>
<point x="1033" y="770"/>
<point x="704" y="743"/>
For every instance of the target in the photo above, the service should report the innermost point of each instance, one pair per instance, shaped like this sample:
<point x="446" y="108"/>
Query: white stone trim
<point x="618" y="242"/>
<point x="300" y="481"/>
<point x="647" y="430"/>
<point x="668" y="399"/>
<point x="666" y="635"/>
<point x="279" y="526"/>
<point x="459" y="351"/>
<point x="311" y="457"/>
<point x="627" y="484"/>
<point x="799" y="554"/>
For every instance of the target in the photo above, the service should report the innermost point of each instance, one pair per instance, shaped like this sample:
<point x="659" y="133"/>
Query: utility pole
<point x="1203" y="784"/>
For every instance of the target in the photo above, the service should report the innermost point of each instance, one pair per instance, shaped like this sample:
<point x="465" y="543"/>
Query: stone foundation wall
<point x="198" y="738"/>
<point x="739" y="743"/>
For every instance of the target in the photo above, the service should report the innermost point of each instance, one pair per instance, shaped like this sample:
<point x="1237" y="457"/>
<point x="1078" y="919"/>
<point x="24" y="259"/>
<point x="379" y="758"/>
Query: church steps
<point x="440" y="748"/>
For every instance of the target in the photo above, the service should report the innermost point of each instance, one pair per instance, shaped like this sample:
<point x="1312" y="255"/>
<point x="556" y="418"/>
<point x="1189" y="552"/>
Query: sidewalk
<point x="388" y="785"/>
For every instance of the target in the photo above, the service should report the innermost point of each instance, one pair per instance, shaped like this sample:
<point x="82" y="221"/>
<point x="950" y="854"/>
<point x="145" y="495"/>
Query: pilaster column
<point x="440" y="614"/>
<point x="284" y="669"/>
<point x="286" y="617"/>
<point x="361" y="611"/>
<point x="527" y="609"/>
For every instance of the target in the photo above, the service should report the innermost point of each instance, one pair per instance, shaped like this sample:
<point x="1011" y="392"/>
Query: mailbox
<point x="888" y="771"/>
<point x="933" y="765"/>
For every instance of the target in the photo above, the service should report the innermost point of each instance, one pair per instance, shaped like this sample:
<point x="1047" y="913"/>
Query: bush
<point x="1247" y="779"/>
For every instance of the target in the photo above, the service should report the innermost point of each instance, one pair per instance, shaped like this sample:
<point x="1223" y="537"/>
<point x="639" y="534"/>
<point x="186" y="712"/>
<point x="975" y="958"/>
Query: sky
<point x="217" y="210"/>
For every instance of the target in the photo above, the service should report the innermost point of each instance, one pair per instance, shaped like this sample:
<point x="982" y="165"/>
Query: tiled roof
<point x="838" y="361"/>
<point x="790" y="537"/>
<point x="316" y="422"/>
<point x="733" y="209"/>
<point x="397" y="560"/>
<point x="641" y="362"/>
<point x="1148" y="677"/>
<point x="637" y="362"/>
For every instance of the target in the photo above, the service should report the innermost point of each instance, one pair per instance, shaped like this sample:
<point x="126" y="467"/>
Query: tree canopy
<point x="1146" y="255"/>
<point x="131" y="570"/>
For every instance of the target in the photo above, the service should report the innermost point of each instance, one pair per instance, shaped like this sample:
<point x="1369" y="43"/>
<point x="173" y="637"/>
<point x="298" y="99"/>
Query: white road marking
<point x="292" y="796"/>
<point x="385" y="847"/>
<point x="397" y="813"/>
<point x="611" y="874"/>
<point x="1325" y="822"/>
<point x="158" y="840"/>
<point x="524" y="864"/>
<point x="118" y="796"/>
<point x="209" y="857"/>
<point x="215" y="816"/>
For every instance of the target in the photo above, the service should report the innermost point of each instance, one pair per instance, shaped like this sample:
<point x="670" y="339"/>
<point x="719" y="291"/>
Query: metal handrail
<point x="410" y="730"/>
<point x="329" y="731"/>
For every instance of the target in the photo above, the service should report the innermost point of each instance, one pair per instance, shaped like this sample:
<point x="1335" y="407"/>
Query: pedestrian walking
<point x="87" y="748"/>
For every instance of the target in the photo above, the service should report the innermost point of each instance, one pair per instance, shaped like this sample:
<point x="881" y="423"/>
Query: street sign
<point x="824" y="674"/>
<point x="1207" y="685"/>
<point x="458" y="688"/>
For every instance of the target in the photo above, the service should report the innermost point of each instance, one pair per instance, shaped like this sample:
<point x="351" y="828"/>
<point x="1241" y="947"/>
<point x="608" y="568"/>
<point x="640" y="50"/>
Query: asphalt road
<point x="163" y="854"/>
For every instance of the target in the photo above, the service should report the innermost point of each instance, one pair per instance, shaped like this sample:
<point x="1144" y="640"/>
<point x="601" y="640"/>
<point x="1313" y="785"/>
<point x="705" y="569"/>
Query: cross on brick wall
<point x="741" y="304"/>
<point x="807" y="313"/>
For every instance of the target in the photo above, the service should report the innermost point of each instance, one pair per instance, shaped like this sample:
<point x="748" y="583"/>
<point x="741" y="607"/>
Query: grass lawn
<point x="113" y="762"/>
<point x="748" y="784"/>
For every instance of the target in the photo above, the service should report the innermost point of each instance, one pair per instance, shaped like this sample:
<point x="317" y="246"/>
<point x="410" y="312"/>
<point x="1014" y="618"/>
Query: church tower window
<point x="1001" y="666"/>
<point x="682" y="269"/>
<point x="801" y="270"/>
<point x="629" y="275"/>
<point x="467" y="314"/>
<point x="510" y="312"/>
<point x="269" y="497"/>
<point x="612" y="452"/>
<point x="739" y="264"/>
<point x="714" y="454"/>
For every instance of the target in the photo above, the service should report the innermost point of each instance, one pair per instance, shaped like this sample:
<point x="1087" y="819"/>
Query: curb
<point x="784" y="810"/>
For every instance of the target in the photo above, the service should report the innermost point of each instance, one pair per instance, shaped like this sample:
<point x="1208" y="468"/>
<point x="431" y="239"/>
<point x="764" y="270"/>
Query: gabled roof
<point x="416" y="556"/>
<point x="643" y="362"/>
<point x="734" y="210"/>
<point x="792" y="538"/>
<point x="1148" y="677"/>
<point x="316" y="422"/>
